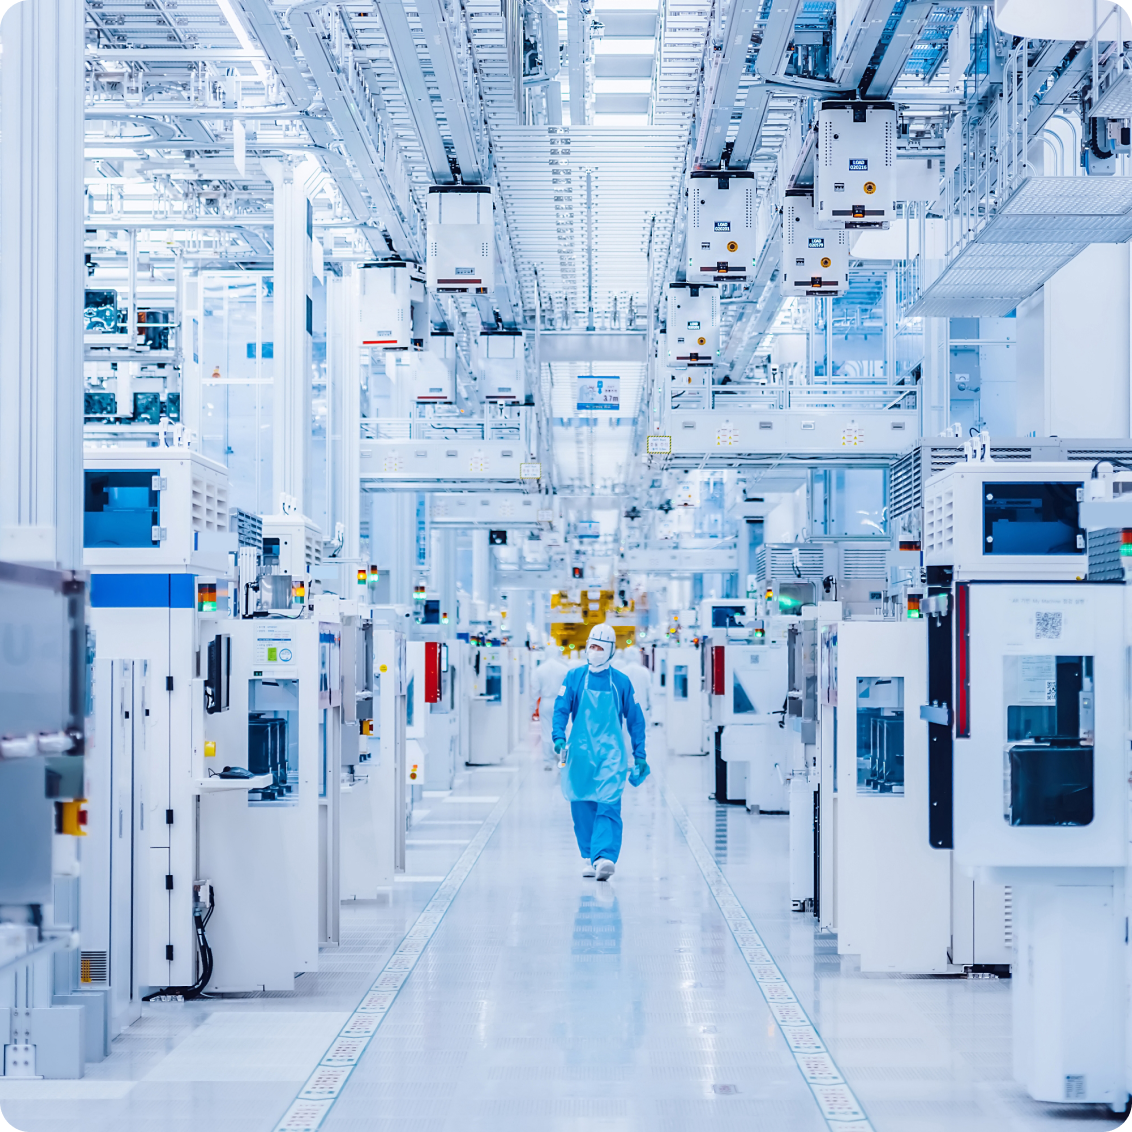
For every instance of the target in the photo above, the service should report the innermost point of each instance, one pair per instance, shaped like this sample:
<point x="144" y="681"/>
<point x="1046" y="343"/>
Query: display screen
<point x="1032" y="518"/>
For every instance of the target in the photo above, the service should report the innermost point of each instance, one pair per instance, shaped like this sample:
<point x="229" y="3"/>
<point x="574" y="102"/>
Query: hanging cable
<point x="200" y="922"/>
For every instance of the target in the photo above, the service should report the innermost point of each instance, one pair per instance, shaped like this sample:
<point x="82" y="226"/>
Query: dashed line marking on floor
<point x="836" y="1100"/>
<point x="324" y="1086"/>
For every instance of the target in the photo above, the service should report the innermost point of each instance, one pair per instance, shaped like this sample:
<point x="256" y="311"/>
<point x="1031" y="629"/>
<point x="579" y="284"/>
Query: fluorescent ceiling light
<point x="622" y="86"/>
<point x="625" y="46"/>
<point x="627" y="5"/>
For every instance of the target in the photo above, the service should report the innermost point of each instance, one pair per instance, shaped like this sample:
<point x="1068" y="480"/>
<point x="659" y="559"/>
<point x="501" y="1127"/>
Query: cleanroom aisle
<point x="547" y="1001"/>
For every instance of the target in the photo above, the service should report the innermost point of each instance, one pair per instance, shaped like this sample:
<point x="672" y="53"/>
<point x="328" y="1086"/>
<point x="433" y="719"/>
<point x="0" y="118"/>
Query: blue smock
<point x="597" y="762"/>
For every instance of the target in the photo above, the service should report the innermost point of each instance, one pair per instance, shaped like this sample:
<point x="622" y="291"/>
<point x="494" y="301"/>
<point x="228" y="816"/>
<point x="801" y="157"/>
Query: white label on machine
<point x="274" y="646"/>
<point x="1037" y="680"/>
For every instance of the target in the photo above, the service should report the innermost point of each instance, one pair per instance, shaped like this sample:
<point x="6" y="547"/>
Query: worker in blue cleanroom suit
<point x="600" y="700"/>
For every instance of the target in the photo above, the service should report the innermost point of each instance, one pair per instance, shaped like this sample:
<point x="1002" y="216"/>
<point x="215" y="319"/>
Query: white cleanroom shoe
<point x="587" y="868"/>
<point x="604" y="868"/>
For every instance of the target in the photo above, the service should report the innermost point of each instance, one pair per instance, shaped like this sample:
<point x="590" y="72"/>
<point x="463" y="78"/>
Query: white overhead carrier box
<point x="461" y="238"/>
<point x="388" y="290"/>
<point x="855" y="165"/>
<point x="503" y="366"/>
<point x="814" y="260"/>
<point x="433" y="376"/>
<point x="693" y="324"/>
<point x="721" y="225"/>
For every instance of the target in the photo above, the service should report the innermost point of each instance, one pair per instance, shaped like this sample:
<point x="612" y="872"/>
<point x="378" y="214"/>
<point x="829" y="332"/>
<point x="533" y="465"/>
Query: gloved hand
<point x="639" y="772"/>
<point x="559" y="746"/>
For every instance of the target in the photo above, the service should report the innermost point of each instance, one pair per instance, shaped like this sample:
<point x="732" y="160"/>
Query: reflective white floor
<point x="545" y="1001"/>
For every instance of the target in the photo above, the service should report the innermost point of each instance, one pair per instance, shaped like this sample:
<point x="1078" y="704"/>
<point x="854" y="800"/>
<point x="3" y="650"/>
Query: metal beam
<point x="295" y="85"/>
<point x="408" y="62"/>
<point x="861" y="41"/>
<point x="740" y="25"/>
<point x="576" y="60"/>
<point x="1062" y="88"/>
<point x="777" y="34"/>
<point x="896" y="54"/>
<point x="438" y="36"/>
<point x="750" y="126"/>
<point x="347" y="117"/>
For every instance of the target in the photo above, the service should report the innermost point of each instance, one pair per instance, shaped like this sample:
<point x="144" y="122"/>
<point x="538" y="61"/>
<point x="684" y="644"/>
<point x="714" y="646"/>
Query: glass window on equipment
<point x="880" y="734"/>
<point x="493" y="682"/>
<point x="121" y="508"/>
<point x="273" y="740"/>
<point x="1050" y="722"/>
<point x="679" y="681"/>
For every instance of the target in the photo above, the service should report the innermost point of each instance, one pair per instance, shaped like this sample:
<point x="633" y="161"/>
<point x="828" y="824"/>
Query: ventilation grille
<point x="1106" y="563"/>
<point x="248" y="528"/>
<point x="860" y="562"/>
<point x="312" y="548"/>
<point x="1096" y="454"/>
<point x="905" y="489"/>
<point x="93" y="967"/>
<point x="210" y="505"/>
<point x="776" y="563"/>
<point x="939" y="522"/>
<point x="1008" y="918"/>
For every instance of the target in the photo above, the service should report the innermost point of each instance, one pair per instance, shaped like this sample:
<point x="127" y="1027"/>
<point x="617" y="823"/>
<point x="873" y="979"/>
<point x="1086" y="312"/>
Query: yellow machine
<point x="576" y="619"/>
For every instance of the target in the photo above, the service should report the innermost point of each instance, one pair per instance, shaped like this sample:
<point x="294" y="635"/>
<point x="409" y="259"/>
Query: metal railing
<point x="763" y="398"/>
<point x="411" y="428"/>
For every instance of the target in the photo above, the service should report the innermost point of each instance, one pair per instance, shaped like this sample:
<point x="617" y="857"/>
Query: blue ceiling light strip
<point x="324" y="1086"/>
<point x="836" y="1100"/>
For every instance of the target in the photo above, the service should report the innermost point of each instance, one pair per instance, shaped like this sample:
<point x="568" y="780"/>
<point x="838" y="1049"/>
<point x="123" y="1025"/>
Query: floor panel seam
<point x="835" y="1099"/>
<point x="315" y="1100"/>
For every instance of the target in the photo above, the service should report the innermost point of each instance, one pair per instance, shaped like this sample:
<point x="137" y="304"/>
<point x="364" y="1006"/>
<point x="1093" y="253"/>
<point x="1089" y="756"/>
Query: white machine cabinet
<point x="855" y="165"/>
<point x="1040" y="803"/>
<point x="721" y="226"/>
<point x="990" y="519"/>
<point x="815" y="260"/>
<point x="893" y="888"/>
<point x="683" y="699"/>
<point x="491" y="682"/>
<point x="155" y="509"/>
<point x="259" y="837"/>
<point x="693" y="324"/>
<point x="461" y="239"/>
<point x="374" y="813"/>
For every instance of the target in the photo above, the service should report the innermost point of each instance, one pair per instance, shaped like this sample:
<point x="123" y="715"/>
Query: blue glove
<point x="639" y="772"/>
<point x="559" y="746"/>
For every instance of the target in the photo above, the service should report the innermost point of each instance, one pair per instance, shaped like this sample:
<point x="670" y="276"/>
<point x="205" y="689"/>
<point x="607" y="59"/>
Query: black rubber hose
<point x="197" y="989"/>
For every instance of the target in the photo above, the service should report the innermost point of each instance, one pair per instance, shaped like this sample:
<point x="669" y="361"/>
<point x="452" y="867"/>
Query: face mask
<point x="598" y="658"/>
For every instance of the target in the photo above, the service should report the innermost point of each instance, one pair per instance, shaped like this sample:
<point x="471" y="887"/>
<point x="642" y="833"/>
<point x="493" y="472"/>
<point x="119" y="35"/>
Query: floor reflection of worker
<point x="599" y="700"/>
<point x="548" y="677"/>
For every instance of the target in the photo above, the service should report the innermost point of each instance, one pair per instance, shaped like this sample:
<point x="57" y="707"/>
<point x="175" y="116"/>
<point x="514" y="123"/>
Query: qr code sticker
<point x="1047" y="626"/>
<point x="1051" y="691"/>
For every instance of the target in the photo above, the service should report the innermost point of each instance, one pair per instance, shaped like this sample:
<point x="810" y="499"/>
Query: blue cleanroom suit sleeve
<point x="566" y="702"/>
<point x="566" y="705"/>
<point x="632" y="714"/>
